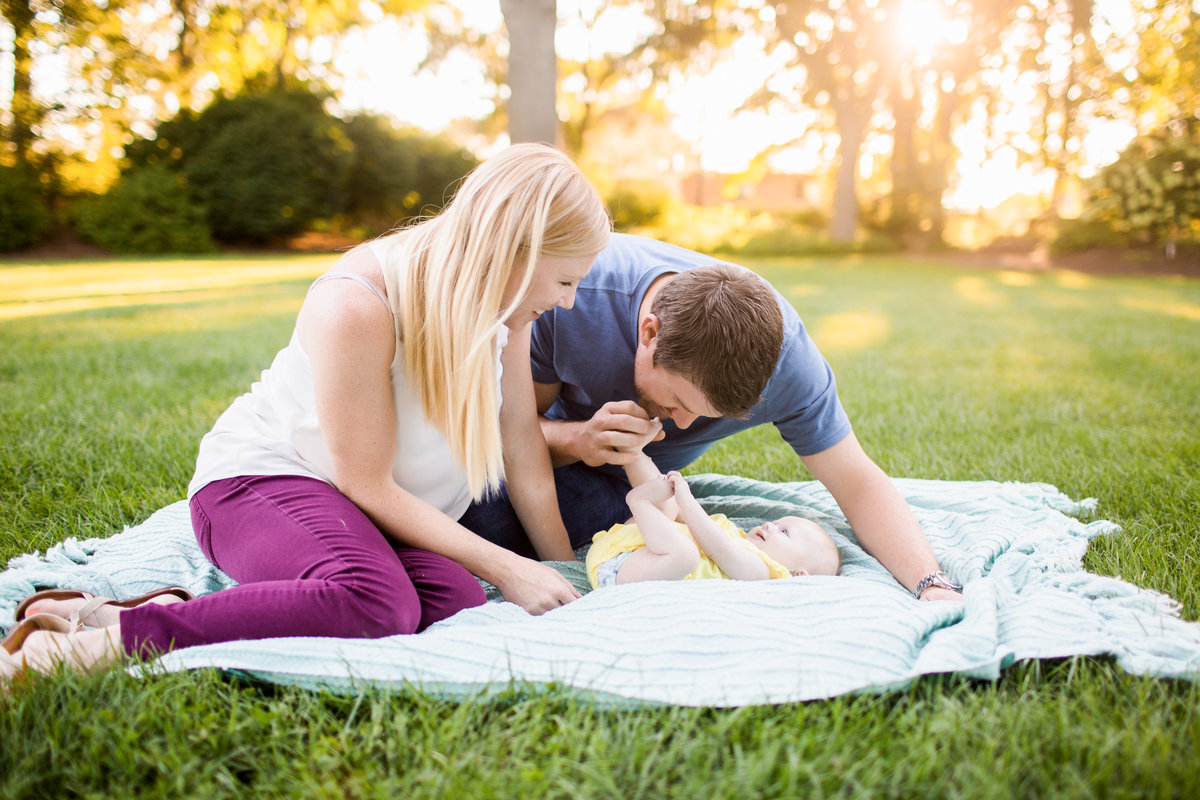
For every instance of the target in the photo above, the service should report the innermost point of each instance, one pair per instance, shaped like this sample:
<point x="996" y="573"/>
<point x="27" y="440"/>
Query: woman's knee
<point x="385" y="611"/>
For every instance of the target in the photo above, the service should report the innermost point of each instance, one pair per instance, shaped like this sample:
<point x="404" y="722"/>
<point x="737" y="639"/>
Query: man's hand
<point x="938" y="593"/>
<point x="616" y="434"/>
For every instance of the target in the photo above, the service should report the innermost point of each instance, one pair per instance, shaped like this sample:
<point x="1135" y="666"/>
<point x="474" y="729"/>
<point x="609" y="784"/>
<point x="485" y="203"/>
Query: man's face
<point x="662" y="393"/>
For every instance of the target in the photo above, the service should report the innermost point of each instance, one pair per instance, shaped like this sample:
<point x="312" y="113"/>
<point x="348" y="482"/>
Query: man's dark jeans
<point x="590" y="501"/>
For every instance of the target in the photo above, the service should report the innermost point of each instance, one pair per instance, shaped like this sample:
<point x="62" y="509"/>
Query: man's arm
<point x="613" y="435"/>
<point x="880" y="517"/>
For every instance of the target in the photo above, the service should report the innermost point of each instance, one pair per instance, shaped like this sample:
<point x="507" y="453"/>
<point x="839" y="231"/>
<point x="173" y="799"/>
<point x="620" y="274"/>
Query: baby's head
<point x="800" y="545"/>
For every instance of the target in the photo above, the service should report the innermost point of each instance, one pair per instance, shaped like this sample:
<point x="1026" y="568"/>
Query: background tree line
<point x="1032" y="76"/>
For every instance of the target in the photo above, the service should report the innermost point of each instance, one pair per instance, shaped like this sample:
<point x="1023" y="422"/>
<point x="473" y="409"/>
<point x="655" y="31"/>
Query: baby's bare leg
<point x="647" y="565"/>
<point x="670" y="553"/>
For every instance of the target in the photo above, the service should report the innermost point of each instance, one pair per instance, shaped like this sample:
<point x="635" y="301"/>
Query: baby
<point x="653" y="546"/>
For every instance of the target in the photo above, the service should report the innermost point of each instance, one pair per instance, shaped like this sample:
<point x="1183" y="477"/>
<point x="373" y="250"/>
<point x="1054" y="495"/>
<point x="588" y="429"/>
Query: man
<point x="669" y="349"/>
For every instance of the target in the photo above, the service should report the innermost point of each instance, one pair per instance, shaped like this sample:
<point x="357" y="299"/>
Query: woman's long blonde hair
<point x="446" y="278"/>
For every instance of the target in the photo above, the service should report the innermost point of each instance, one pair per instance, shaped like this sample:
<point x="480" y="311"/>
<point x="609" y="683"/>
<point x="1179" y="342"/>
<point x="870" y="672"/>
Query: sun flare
<point x="923" y="26"/>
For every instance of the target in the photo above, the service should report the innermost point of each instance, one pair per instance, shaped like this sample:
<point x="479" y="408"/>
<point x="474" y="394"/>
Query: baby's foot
<point x="656" y="490"/>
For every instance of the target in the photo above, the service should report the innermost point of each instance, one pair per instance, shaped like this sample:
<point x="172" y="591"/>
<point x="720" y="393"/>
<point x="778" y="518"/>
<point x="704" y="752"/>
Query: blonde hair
<point x="446" y="278"/>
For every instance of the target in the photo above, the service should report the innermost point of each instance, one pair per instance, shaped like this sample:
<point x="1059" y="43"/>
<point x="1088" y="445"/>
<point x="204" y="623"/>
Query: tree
<point x="1161" y="80"/>
<point x="671" y="38"/>
<point x="53" y="21"/>
<point x="589" y="84"/>
<point x="935" y="83"/>
<point x="135" y="64"/>
<point x="848" y="53"/>
<point x="532" y="70"/>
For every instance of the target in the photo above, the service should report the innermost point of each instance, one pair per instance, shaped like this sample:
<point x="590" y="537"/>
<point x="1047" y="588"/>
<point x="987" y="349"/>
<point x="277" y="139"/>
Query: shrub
<point x="398" y="174"/>
<point x="638" y="204"/>
<point x="23" y="215"/>
<point x="148" y="211"/>
<point x="1075" y="235"/>
<point x="264" y="165"/>
<point x="1151" y="193"/>
<point x="732" y="231"/>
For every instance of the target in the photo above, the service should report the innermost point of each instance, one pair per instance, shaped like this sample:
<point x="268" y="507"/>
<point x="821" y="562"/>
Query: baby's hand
<point x="679" y="485"/>
<point x="654" y="491"/>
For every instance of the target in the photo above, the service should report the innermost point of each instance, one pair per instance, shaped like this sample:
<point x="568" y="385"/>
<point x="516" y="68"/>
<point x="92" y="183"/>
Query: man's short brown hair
<point x="720" y="328"/>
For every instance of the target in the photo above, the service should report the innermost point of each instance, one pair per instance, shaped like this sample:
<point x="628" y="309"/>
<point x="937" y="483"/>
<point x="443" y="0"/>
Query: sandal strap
<point x="79" y="618"/>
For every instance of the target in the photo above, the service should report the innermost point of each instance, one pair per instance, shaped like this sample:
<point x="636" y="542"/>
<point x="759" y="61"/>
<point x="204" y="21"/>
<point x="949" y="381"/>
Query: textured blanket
<point x="713" y="643"/>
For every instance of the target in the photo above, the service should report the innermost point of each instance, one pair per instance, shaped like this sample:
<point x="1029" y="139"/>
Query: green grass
<point x="1089" y="384"/>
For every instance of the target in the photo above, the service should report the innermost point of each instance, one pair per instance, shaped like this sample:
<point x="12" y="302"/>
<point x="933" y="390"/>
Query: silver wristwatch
<point x="939" y="579"/>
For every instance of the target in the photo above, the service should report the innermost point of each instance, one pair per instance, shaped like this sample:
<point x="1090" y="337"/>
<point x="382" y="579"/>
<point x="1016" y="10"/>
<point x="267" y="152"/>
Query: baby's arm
<point x="735" y="560"/>
<point x="641" y="471"/>
<point x="669" y="554"/>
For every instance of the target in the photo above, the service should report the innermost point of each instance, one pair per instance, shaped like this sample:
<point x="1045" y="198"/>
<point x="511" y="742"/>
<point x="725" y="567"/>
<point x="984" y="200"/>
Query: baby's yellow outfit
<point x="624" y="538"/>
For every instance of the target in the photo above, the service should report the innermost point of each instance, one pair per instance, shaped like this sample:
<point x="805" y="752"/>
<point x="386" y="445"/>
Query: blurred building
<point x="630" y="145"/>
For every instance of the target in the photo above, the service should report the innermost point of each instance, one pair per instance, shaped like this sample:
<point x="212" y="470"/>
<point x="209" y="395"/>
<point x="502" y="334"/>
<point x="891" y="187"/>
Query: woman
<point x="331" y="490"/>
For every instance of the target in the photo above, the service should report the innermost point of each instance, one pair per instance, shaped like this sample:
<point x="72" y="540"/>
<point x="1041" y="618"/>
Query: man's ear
<point x="647" y="330"/>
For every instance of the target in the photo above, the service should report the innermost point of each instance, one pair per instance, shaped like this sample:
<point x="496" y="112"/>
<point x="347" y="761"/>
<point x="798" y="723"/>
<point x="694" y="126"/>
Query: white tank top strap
<point x="354" y="276"/>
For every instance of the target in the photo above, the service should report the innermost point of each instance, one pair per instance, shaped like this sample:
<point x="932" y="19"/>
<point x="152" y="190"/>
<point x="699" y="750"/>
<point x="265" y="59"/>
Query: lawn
<point x="110" y="373"/>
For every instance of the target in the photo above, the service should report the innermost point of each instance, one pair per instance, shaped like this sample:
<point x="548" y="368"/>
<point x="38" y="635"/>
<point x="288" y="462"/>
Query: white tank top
<point x="273" y="429"/>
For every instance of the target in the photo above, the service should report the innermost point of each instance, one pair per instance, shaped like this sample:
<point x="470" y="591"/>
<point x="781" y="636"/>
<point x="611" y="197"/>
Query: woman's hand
<point x="536" y="587"/>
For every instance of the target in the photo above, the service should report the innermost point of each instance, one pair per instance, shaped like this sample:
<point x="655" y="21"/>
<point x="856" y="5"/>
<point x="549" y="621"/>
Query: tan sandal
<point x="36" y="622"/>
<point x="10" y="665"/>
<point x="14" y="644"/>
<point x="92" y="613"/>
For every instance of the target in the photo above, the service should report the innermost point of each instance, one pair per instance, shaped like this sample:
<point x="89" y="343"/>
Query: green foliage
<point x="737" y="231"/>
<point x="399" y="174"/>
<point x="1075" y="235"/>
<point x="23" y="215"/>
<point x="788" y="241"/>
<point x="638" y="205"/>
<point x="148" y="211"/>
<point x="264" y="165"/>
<point x="1151" y="194"/>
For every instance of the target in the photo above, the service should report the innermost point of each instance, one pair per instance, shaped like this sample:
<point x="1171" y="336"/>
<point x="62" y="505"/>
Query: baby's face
<point x="800" y="545"/>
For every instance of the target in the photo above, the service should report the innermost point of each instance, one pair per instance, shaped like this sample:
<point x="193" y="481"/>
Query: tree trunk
<point x="906" y="184"/>
<point x="24" y="109"/>
<point x="852" y="129"/>
<point x="532" y="70"/>
<point x="183" y="48"/>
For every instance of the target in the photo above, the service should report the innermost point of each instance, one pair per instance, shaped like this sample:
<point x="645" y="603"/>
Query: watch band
<point x="939" y="579"/>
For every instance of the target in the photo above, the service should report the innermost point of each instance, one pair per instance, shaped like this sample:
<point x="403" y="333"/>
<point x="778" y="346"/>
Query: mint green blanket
<point x="1017" y="547"/>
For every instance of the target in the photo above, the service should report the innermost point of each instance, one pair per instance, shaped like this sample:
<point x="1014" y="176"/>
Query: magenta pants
<point x="308" y="563"/>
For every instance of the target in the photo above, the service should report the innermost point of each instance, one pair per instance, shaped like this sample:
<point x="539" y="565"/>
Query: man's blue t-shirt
<point x="590" y="349"/>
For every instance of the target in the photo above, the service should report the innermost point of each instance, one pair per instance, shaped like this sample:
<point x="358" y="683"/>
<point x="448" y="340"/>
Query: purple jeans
<point x="308" y="563"/>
